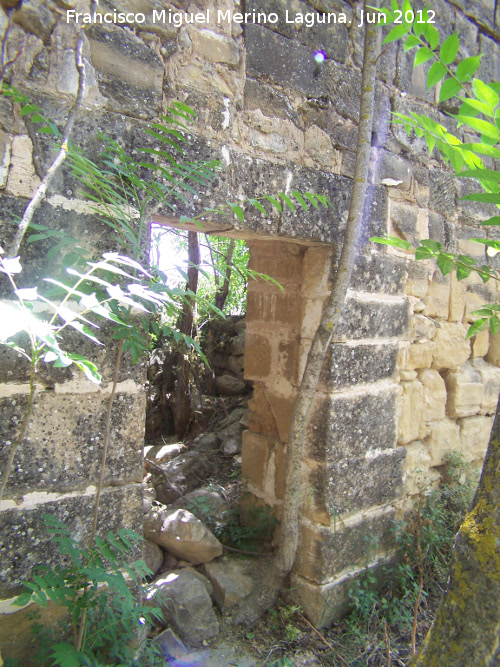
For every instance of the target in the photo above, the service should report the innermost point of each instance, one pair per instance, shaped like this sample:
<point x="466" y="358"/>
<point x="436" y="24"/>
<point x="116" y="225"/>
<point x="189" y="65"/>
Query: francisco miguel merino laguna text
<point x="178" y="19"/>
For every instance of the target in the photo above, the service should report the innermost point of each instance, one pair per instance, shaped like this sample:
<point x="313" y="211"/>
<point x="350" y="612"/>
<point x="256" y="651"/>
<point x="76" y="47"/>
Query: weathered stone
<point x="493" y="356"/>
<point x="170" y="645"/>
<point x="411" y="422"/>
<point x="364" y="318"/>
<point x="232" y="580"/>
<point x="419" y="476"/>
<point x="63" y="442"/>
<point x="358" y="483"/>
<point x="36" y="18"/>
<point x="404" y="222"/>
<point x="354" y="424"/>
<point x="119" y="507"/>
<point x="204" y="503"/>
<point x="217" y="47"/>
<point x="474" y="436"/>
<point x="437" y="299"/>
<point x="419" y="355"/>
<point x="444" y="438"/>
<point x="442" y="192"/>
<point x="22" y="180"/>
<point x="236" y="364"/>
<point x="228" y="385"/>
<point x="452" y="349"/>
<point x="394" y="172"/>
<point x="183" y="474"/>
<point x="349" y="365"/>
<point x="465" y="391"/>
<point x="163" y="453"/>
<point x="153" y="555"/>
<point x="208" y="586"/>
<point x="379" y="273"/>
<point x="490" y="378"/>
<point x="434" y="397"/>
<point x="181" y="533"/>
<point x="325" y="550"/>
<point x="129" y="74"/>
<point x="17" y="640"/>
<point x="208" y="442"/>
<point x="422" y="328"/>
<point x="481" y="343"/>
<point x="185" y="605"/>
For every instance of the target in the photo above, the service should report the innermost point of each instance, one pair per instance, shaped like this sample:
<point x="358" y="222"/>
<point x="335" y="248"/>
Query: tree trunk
<point x="265" y="594"/>
<point x="182" y="411"/>
<point x="466" y="630"/>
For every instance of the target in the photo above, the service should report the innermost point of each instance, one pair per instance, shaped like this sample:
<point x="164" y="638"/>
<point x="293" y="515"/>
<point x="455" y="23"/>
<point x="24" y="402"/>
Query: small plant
<point x="103" y="616"/>
<point x="259" y="527"/>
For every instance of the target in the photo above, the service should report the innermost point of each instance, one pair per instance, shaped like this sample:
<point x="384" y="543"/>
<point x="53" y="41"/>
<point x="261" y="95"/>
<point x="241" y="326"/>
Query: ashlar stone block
<point x="465" y="391"/>
<point x="411" y="420"/>
<point x="419" y="475"/>
<point x="475" y="435"/>
<point x="452" y="348"/>
<point x="419" y="355"/>
<point x="443" y="439"/>
<point x="490" y="378"/>
<point x="434" y="395"/>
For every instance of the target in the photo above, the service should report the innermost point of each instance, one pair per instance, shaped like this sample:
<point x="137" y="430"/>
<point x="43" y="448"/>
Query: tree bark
<point x="182" y="411"/>
<point x="265" y="594"/>
<point x="466" y="630"/>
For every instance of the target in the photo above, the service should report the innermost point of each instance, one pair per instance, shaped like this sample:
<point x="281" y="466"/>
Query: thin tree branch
<point x="265" y="593"/>
<point x="63" y="150"/>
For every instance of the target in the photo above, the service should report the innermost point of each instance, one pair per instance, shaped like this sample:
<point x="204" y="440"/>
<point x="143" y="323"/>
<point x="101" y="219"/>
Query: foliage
<point x="93" y="580"/>
<point x="258" y="526"/>
<point x="429" y="532"/>
<point x="478" y="113"/>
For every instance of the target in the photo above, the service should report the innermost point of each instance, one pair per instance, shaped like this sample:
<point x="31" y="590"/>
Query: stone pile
<point x="191" y="573"/>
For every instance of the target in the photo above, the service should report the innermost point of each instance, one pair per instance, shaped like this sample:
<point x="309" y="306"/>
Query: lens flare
<point x="319" y="56"/>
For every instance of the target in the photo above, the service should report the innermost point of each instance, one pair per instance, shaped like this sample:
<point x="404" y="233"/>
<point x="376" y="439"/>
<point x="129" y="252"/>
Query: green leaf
<point x="411" y="42"/>
<point x="66" y="655"/>
<point x="300" y="199"/>
<point x="485" y="93"/>
<point x="495" y="220"/>
<point x="431" y="244"/>
<point x="274" y="202"/>
<point x="482" y="126"/>
<point x="422" y="56"/>
<point x="423" y="253"/>
<point x="311" y="198"/>
<point x="396" y="33"/>
<point x="238" y="211"/>
<point x="481" y="174"/>
<point x="463" y="272"/>
<point x="449" y="49"/>
<point x="449" y="89"/>
<point x="436" y="72"/>
<point x="467" y="68"/>
<point x="432" y="36"/>
<point x="478" y="326"/>
<point x="287" y="201"/>
<point x="445" y="263"/>
<point x="494" y="324"/>
<point x="257" y="205"/>
<point x="391" y="241"/>
<point x="483" y="197"/>
<point x="430" y="140"/>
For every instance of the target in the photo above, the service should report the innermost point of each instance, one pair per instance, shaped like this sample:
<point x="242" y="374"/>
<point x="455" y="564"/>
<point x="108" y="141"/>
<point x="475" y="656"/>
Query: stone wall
<point x="400" y="380"/>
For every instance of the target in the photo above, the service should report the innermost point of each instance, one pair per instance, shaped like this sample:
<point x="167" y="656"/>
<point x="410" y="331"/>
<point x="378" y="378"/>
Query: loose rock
<point x="186" y="606"/>
<point x="182" y="534"/>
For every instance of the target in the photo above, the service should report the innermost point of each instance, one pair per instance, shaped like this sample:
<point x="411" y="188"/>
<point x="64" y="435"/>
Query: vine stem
<point x="24" y="426"/>
<point x="264" y="595"/>
<point x="106" y="443"/>
<point x="63" y="150"/>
